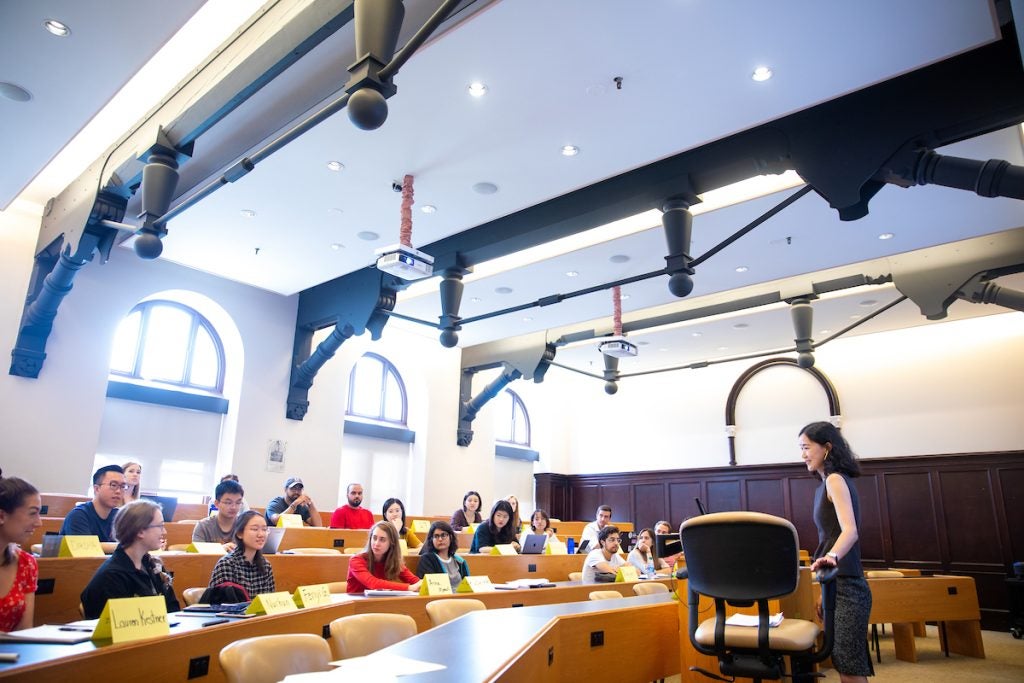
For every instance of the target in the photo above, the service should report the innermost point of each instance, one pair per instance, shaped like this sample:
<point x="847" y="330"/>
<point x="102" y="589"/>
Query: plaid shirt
<point x="256" y="577"/>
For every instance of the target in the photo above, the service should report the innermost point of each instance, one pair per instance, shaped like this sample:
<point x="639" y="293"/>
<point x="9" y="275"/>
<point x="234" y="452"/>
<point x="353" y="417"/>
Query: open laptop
<point x="582" y="548"/>
<point x="274" y="536"/>
<point x="167" y="505"/>
<point x="533" y="544"/>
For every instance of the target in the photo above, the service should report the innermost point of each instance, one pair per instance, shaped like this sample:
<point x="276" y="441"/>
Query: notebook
<point x="274" y="536"/>
<point x="533" y="544"/>
<point x="167" y="505"/>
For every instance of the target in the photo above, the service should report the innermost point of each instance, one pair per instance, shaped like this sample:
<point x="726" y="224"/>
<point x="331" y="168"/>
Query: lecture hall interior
<point x="580" y="252"/>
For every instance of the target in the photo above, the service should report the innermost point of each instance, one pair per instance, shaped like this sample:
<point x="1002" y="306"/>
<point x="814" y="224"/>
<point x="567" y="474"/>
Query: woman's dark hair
<point x="543" y="515"/>
<point x="654" y="546"/>
<point x="13" y="492"/>
<point x="428" y="545"/>
<point x="478" y="498"/>
<point x="388" y="503"/>
<point x="507" y="533"/>
<point x="839" y="456"/>
<point x="237" y="532"/>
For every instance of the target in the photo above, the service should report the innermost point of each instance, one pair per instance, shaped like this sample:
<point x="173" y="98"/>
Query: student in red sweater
<point x="352" y="516"/>
<point x="380" y="565"/>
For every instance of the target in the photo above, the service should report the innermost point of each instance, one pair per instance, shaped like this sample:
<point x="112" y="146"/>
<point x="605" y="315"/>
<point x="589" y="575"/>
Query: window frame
<point x="387" y="369"/>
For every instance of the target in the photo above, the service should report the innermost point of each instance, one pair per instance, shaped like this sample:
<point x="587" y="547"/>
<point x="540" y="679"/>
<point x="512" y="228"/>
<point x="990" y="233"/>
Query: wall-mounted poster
<point x="275" y="455"/>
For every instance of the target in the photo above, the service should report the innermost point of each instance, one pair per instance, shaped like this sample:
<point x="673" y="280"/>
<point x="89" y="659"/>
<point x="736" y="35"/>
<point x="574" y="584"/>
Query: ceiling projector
<point x="617" y="347"/>
<point x="405" y="262"/>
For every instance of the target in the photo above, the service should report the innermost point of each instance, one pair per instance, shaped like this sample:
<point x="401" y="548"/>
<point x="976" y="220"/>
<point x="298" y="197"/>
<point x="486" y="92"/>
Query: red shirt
<point x="360" y="578"/>
<point x="12" y="605"/>
<point x="348" y="517"/>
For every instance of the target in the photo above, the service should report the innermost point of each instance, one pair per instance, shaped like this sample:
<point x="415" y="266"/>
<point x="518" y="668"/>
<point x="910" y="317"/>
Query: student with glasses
<point x="246" y="566"/>
<point x="220" y="527"/>
<point x="131" y="571"/>
<point x="96" y="517"/>
<point x="437" y="556"/>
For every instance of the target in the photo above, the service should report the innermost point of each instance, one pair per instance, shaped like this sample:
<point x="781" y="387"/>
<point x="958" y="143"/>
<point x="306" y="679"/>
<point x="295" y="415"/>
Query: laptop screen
<point x="167" y="505"/>
<point x="274" y="536"/>
<point x="533" y="544"/>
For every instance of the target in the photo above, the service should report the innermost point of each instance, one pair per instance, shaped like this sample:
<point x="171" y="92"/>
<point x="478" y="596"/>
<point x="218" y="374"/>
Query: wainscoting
<point x="954" y="514"/>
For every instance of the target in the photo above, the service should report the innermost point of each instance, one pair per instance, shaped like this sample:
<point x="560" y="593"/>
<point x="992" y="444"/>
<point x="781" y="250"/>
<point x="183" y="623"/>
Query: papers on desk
<point x="379" y="668"/>
<point x="751" y="620"/>
<point x="386" y="593"/>
<point x="75" y="632"/>
<point x="520" y="583"/>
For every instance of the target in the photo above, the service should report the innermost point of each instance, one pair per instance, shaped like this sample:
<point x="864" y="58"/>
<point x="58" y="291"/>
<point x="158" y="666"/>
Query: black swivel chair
<point x="743" y="558"/>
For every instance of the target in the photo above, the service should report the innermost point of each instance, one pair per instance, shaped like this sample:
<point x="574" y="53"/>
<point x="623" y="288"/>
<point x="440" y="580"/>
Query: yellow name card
<point x="206" y="548"/>
<point x="80" y="546"/>
<point x="554" y="547"/>
<point x="421" y="526"/>
<point x="127" y="619"/>
<point x="272" y="603"/>
<point x="403" y="546"/>
<point x="504" y="549"/>
<point x="471" y="528"/>
<point x="436" y="584"/>
<point x="313" y="596"/>
<point x="289" y="520"/>
<point x="475" y="584"/>
<point x="626" y="573"/>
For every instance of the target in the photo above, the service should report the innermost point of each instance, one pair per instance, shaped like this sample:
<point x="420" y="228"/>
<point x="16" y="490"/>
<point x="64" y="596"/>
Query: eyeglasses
<point x="114" y="486"/>
<point x="612" y="539"/>
<point x="440" y="537"/>
<point x="156" y="526"/>
<point x="229" y="503"/>
<point x="257" y="529"/>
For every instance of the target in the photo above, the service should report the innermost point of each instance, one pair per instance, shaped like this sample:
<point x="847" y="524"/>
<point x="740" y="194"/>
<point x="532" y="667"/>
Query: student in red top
<point x="19" y="573"/>
<point x="380" y="566"/>
<point x="352" y="516"/>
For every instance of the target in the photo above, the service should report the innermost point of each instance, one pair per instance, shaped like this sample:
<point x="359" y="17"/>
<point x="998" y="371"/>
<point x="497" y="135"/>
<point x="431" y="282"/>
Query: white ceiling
<point x="549" y="66"/>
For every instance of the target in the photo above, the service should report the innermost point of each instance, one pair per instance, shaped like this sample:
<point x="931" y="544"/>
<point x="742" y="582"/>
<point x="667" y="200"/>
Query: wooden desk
<point x="169" y="659"/>
<point x="949" y="599"/>
<point x="59" y="504"/>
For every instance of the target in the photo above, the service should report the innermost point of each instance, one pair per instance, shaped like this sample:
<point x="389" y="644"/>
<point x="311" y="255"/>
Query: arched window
<point x="168" y="343"/>
<point x="376" y="390"/>
<point x="512" y="423"/>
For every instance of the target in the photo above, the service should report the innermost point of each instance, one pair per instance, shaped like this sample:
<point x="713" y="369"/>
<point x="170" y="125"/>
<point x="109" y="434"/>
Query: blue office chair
<point x="742" y="559"/>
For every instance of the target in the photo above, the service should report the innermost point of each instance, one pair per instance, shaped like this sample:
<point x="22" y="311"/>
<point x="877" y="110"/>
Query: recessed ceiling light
<point x="571" y="273"/>
<point x="761" y="73"/>
<point x="335" y="211"/>
<point x="696" y="334"/>
<point x="57" y="28"/>
<point x="867" y="303"/>
<point x="570" y="150"/>
<point x="624" y="296"/>
<point x="886" y="236"/>
<point x="527" y="319"/>
<point x="428" y="208"/>
<point x="855" y="317"/>
<point x="824" y="331"/>
<point x="485" y="188"/>
<point x="337" y="246"/>
<point x="740" y="326"/>
<point x="741" y="269"/>
<point x="477" y="89"/>
<point x="368" y="235"/>
<point x="723" y="348"/>
<point x="335" y="166"/>
<point x="503" y="290"/>
<point x="663" y="349"/>
<point x="618" y="258"/>
<point x="476" y="300"/>
<point x="248" y="213"/>
<point x="15" y="93"/>
<point x="643" y="343"/>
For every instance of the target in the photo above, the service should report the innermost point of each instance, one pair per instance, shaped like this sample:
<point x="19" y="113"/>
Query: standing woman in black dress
<point x="837" y="514"/>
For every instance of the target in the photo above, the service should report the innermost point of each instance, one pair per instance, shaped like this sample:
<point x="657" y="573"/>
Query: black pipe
<point x="305" y="373"/>
<point x="992" y="178"/>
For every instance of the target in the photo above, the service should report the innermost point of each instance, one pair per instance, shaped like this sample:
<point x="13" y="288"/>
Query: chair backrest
<point x="575" y="576"/>
<point x="192" y="595"/>
<point x="741" y="555"/>
<point x="605" y="595"/>
<point x="268" y="659"/>
<point x="884" y="574"/>
<point x="649" y="588"/>
<point x="337" y="586"/>
<point x="446" y="609"/>
<point x="313" y="551"/>
<point x="362" y="634"/>
<point x="353" y="551"/>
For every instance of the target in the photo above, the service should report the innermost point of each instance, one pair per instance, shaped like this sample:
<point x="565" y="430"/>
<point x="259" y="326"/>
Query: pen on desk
<point x="8" y="656"/>
<point x="81" y="629"/>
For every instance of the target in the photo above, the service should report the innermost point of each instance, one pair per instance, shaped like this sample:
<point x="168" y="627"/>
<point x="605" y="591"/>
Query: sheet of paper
<point x="751" y="620"/>
<point x="64" y="633"/>
<point x="377" y="665"/>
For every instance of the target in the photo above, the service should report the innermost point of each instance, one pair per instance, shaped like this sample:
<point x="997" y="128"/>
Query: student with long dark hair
<point x="837" y="516"/>
<point x="19" y="518"/>
<point x="394" y="512"/>
<point x="469" y="513"/>
<point x="498" y="530"/>
<point x="245" y="565"/>
<point x="438" y="555"/>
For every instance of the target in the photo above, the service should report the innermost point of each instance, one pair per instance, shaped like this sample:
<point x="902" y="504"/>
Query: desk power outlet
<point x="198" y="667"/>
<point x="596" y="638"/>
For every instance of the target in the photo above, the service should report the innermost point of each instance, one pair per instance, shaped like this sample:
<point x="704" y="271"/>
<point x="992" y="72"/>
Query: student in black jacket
<point x="437" y="555"/>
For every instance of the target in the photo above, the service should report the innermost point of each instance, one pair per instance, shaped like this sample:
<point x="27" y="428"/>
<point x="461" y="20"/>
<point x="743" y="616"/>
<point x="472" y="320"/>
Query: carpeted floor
<point x="1004" y="661"/>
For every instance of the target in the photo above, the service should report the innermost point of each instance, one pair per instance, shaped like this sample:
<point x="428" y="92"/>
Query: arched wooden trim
<point x="737" y="387"/>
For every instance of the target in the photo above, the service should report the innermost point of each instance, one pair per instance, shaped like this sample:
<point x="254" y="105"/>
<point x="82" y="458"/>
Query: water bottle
<point x="570" y="545"/>
<point x="650" y="567"/>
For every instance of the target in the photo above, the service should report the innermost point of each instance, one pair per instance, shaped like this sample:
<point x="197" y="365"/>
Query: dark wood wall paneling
<point x="955" y="514"/>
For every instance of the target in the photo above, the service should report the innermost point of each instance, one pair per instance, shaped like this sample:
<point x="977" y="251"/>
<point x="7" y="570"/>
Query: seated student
<point x="644" y="556"/>
<point x="604" y="558"/>
<point x="437" y="556"/>
<point x="394" y="512"/>
<point x="220" y="528"/>
<point x="246" y="565"/>
<point x="96" y="517"/>
<point x="517" y="523"/>
<point x="498" y="530"/>
<point x="294" y="502"/>
<point x="19" y="571"/>
<point x="352" y="515"/>
<point x="131" y="571"/>
<point x="380" y="565"/>
<point x="540" y="523"/>
<point x="469" y="513"/>
<point x="133" y="478"/>
<point x="213" y="503"/>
